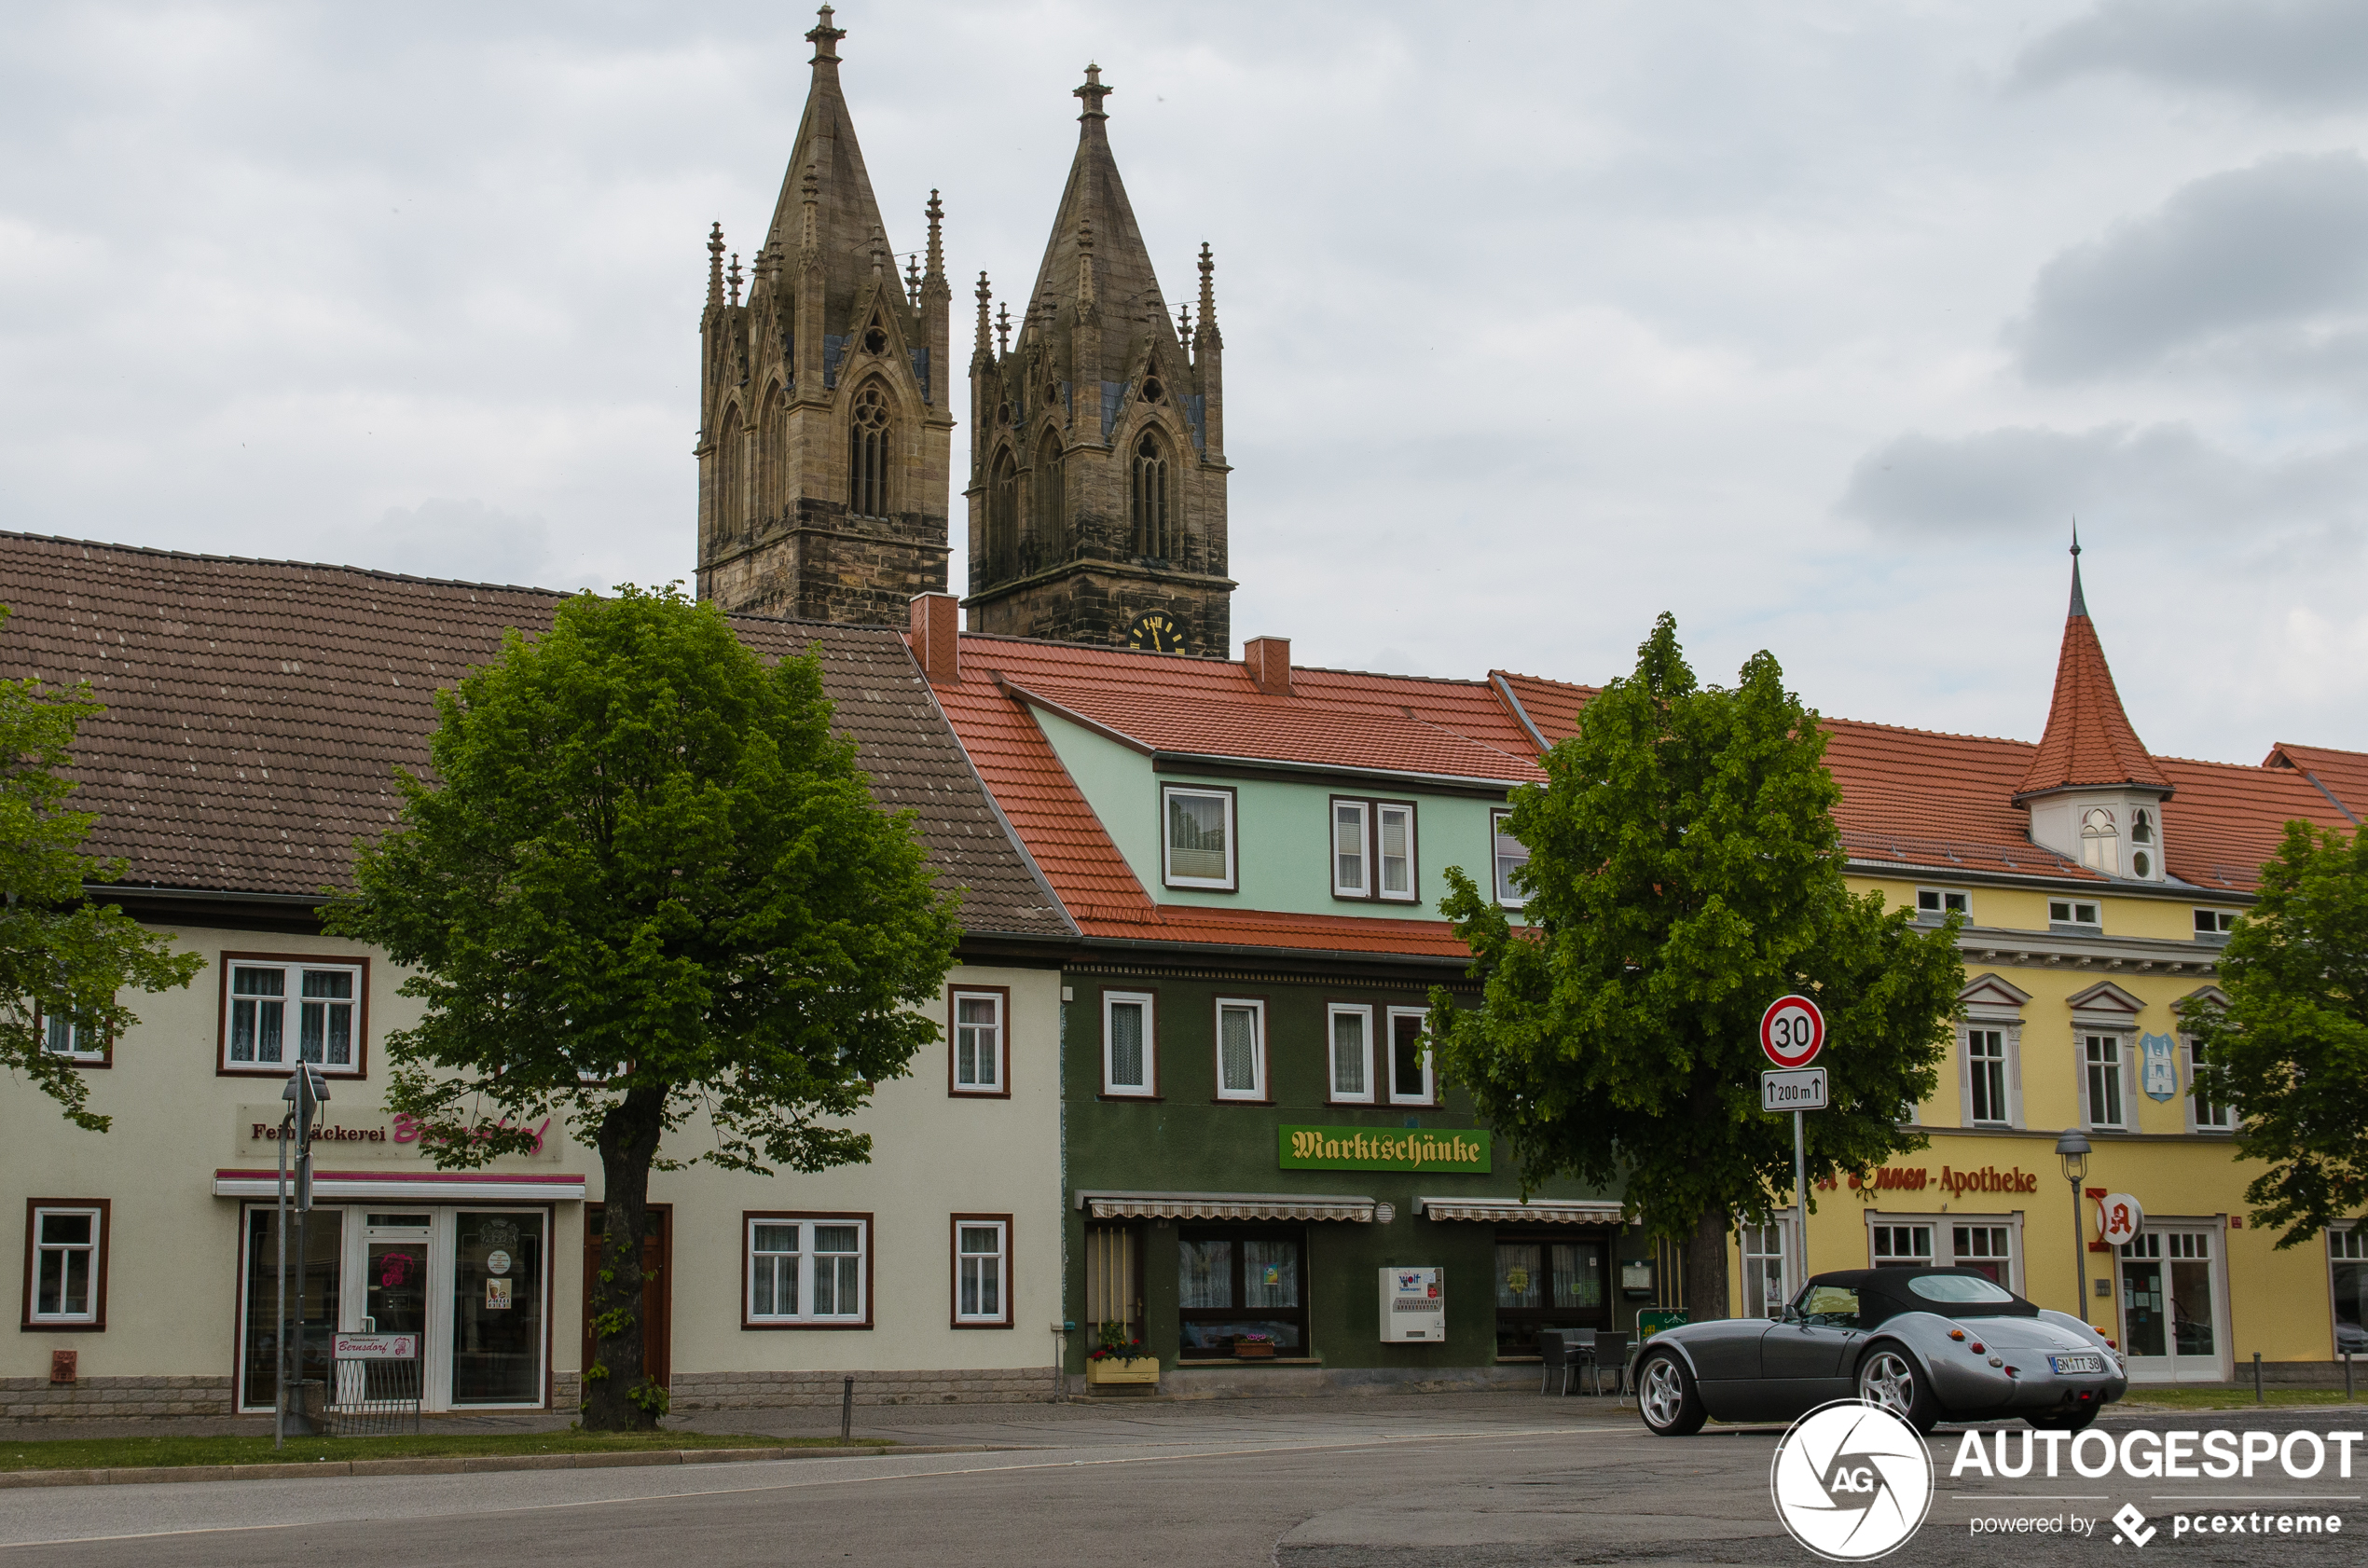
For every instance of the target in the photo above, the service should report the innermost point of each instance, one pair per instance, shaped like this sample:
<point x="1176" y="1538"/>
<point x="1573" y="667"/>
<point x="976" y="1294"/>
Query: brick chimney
<point x="1268" y="662"/>
<point x="937" y="623"/>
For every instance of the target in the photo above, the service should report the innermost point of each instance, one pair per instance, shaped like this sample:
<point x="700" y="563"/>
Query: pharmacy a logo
<point x="1852" y="1481"/>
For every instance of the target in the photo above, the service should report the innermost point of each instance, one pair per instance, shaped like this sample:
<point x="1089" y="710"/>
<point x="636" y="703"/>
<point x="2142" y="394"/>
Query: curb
<point x="459" y="1465"/>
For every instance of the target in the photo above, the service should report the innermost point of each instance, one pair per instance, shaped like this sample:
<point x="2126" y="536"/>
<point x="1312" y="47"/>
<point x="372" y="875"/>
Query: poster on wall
<point x="497" y="1295"/>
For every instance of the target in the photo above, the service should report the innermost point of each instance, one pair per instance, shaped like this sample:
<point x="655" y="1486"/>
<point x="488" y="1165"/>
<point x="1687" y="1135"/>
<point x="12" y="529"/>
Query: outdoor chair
<point x="1610" y="1349"/>
<point x="1578" y="1348"/>
<point x="1551" y="1348"/>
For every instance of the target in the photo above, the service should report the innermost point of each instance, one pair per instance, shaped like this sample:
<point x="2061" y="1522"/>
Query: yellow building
<point x="2099" y="883"/>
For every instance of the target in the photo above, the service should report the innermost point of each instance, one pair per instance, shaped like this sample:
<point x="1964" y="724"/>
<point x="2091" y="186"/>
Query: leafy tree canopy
<point x="2290" y="1053"/>
<point x="62" y="957"/>
<point x="1685" y="871"/>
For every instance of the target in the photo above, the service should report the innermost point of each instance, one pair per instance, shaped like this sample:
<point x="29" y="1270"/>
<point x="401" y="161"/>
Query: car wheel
<point x="2062" y="1421"/>
<point x="1888" y="1376"/>
<point x="1666" y="1399"/>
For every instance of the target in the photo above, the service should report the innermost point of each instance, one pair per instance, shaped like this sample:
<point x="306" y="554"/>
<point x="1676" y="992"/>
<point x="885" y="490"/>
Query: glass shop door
<point x="500" y="1280"/>
<point x="2174" y="1316"/>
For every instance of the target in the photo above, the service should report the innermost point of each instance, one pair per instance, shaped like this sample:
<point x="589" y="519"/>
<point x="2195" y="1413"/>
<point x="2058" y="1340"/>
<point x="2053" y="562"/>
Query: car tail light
<point x="2014" y="1371"/>
<point x="1980" y="1348"/>
<point x="2113" y="1344"/>
<point x="1956" y="1333"/>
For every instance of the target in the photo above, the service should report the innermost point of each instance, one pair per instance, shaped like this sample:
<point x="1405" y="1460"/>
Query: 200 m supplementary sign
<point x="1801" y="1090"/>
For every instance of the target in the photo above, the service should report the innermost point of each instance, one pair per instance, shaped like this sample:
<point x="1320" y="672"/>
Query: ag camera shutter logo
<point x="1852" y="1481"/>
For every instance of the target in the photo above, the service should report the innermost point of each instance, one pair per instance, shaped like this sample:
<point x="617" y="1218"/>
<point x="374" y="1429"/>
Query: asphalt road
<point x="1397" y="1483"/>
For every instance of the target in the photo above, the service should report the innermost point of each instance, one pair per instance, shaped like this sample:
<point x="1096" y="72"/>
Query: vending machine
<point x="1413" y="1306"/>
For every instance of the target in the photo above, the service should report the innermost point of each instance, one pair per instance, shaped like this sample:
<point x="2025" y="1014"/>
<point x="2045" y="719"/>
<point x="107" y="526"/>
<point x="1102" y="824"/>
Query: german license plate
<point x="2077" y="1363"/>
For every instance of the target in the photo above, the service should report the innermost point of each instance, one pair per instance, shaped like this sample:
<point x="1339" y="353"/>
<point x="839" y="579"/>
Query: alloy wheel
<point x="1887" y="1380"/>
<point x="1663" y="1394"/>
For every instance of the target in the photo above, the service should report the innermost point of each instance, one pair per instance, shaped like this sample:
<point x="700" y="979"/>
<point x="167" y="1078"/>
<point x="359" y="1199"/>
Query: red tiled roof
<point x="2089" y="739"/>
<point x="2343" y="774"/>
<point x="2227" y="819"/>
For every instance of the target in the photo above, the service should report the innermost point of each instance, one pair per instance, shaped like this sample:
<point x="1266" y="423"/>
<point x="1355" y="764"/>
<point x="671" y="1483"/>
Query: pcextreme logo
<point x="1851" y="1482"/>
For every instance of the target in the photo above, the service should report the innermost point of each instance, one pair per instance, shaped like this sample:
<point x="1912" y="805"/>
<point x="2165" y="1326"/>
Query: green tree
<point x="1685" y="871"/>
<point x="62" y="957"/>
<point x="647" y="880"/>
<point x="2289" y="1051"/>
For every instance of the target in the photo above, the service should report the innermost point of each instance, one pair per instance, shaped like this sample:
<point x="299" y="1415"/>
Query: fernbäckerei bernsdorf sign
<point x="1384" y="1149"/>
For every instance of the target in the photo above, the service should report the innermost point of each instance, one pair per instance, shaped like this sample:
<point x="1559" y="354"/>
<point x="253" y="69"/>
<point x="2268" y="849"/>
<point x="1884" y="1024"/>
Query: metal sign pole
<point x="1800" y="1193"/>
<point x="280" y="1339"/>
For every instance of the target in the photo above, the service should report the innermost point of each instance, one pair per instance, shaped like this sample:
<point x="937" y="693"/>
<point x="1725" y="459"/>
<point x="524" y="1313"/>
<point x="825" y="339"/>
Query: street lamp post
<point x="2072" y="1151"/>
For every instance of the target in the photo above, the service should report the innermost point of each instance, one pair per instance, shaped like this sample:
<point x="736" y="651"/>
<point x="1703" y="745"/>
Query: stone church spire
<point x="1097" y="489"/>
<point x="825" y="432"/>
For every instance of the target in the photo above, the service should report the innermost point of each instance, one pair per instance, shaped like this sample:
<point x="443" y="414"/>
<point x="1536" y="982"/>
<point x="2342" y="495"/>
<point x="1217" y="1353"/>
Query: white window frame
<point x="1946" y="1230"/>
<point x="1363" y="887"/>
<point x="1941" y="909"/>
<point x="805" y="1267"/>
<point x="1150" y="1087"/>
<point x="1508" y="896"/>
<point x="2224" y="922"/>
<point x="1167" y="839"/>
<point x="2191" y="1072"/>
<point x="1752" y="1243"/>
<point x="2121" y="1037"/>
<point x="95" y="1282"/>
<point x="1383" y="811"/>
<point x="2011" y="1038"/>
<point x="2071" y="915"/>
<point x="1333" y="1012"/>
<point x="999" y="1261"/>
<point x="1877" y="1224"/>
<point x="291" y="1002"/>
<point x="1000" y="1085"/>
<point x="79" y="1049"/>
<point x="1389" y="1064"/>
<point x="1256" y="1008"/>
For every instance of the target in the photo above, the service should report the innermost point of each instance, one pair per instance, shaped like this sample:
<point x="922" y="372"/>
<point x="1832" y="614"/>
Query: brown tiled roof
<point x="2088" y="740"/>
<point x="257" y="711"/>
<point x="2343" y="776"/>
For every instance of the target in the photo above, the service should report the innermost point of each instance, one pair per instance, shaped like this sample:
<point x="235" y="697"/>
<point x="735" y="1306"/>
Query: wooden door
<point x="657" y="1256"/>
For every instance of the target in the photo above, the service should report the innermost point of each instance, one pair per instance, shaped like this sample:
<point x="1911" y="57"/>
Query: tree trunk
<point x="628" y="1142"/>
<point x="1706" y="1267"/>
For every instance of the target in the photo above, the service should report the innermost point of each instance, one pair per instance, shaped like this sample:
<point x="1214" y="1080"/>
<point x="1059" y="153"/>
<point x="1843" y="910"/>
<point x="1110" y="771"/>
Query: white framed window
<point x="2099" y="841"/>
<point x="979" y="1055"/>
<point x="808" y="1270"/>
<point x="1901" y="1244"/>
<point x="2145" y="854"/>
<point x="1511" y="855"/>
<point x="77" y="1043"/>
<point x="1196" y="843"/>
<point x="982" y="1271"/>
<point x="2214" y="925"/>
<point x="65" y="1263"/>
<point x="1352" y="850"/>
<point x="278" y="1011"/>
<point x="1936" y="904"/>
<point x="1986" y="1245"/>
<point x="2347" y="1280"/>
<point x="1767" y="1268"/>
<point x="1241" y="1049"/>
<point x="1989" y="1096"/>
<point x="2104" y="1058"/>
<point x="1350" y="1031"/>
<point x="2206" y="1113"/>
<point x="2077" y="912"/>
<point x="1130" y="1064"/>
<point x="1411" y="1081"/>
<point x="1394" y="851"/>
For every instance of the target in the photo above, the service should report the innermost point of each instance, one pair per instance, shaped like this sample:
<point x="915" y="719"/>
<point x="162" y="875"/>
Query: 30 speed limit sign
<point x="1792" y="1031"/>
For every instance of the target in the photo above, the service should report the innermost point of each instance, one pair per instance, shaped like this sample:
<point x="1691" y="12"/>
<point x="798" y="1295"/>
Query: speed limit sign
<point x="2119" y="1218"/>
<point x="1792" y="1031"/>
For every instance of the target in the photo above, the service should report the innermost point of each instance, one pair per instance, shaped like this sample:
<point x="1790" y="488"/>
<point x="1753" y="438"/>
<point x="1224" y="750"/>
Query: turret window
<point x="2099" y="841"/>
<point x="1154" y="530"/>
<point x="2144" y="852"/>
<point x="867" y="454"/>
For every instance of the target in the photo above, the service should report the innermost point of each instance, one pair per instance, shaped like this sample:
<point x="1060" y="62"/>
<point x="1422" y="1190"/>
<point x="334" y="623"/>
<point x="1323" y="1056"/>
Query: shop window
<point x="808" y="1270"/>
<point x="1351" y="1029"/>
<point x="1197" y="846"/>
<point x="1237" y="1287"/>
<point x="2348" y="1270"/>
<point x="1987" y="1104"/>
<point x="982" y="1271"/>
<point x="277" y="1012"/>
<point x="1545" y="1283"/>
<point x="2211" y="1113"/>
<point x="979" y="1057"/>
<point x="1902" y="1246"/>
<point x="2073" y="914"/>
<point x="1512" y="855"/>
<point x="314" y="1277"/>
<point x="497" y="1308"/>
<point x="2101" y="1074"/>
<point x="1987" y="1247"/>
<point x="1373" y="850"/>
<point x="1114" y="1281"/>
<point x="65" y="1264"/>
<point x="78" y="1043"/>
<point x="1766" y="1269"/>
<point x="1410" y="1058"/>
<point x="1936" y="904"/>
<point x="1129" y="1065"/>
<point x="2215" y="925"/>
<point x="1241" y="1049"/>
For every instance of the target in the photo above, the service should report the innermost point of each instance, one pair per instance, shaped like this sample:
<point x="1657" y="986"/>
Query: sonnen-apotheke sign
<point x="1381" y="1148"/>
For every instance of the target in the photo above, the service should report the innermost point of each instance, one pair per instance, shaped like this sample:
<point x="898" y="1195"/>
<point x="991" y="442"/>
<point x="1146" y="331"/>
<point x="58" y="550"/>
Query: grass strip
<point x="121" y="1453"/>
<point x="2228" y="1399"/>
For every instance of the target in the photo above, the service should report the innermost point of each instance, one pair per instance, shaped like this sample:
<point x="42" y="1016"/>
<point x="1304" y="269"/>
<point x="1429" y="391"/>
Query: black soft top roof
<point x="1883" y="1294"/>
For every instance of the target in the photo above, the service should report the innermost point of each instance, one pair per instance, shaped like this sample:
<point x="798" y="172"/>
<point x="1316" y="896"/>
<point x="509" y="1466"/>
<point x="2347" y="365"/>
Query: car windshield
<point x="1958" y="1289"/>
<point x="1834" y="1306"/>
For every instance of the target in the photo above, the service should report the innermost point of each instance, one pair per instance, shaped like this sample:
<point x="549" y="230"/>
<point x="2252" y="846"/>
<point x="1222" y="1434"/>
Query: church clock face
<point x="1155" y="632"/>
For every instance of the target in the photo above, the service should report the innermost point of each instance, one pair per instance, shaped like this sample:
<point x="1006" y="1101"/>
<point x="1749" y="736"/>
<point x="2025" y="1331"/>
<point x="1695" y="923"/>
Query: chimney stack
<point x="937" y="624"/>
<point x="1268" y="662"/>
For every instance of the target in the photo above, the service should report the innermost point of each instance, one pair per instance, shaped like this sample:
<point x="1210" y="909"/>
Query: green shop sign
<point x="1372" y="1148"/>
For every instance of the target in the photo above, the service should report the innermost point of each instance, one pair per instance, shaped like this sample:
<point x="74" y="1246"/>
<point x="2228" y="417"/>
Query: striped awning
<point x="1226" y="1205"/>
<point x="429" y="1186"/>
<point x="1512" y="1211"/>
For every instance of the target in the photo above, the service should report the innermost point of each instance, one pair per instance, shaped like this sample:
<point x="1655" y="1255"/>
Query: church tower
<point x="1097" y="443"/>
<point x="824" y="429"/>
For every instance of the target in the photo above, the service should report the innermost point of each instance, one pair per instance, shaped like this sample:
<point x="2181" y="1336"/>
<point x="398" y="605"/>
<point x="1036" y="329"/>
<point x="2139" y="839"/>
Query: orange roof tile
<point x="2227" y="819"/>
<point x="2341" y="775"/>
<point x="2088" y="740"/>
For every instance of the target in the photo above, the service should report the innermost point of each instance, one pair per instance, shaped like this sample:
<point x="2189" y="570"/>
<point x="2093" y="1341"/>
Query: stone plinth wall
<point x="726" y="1391"/>
<point x="112" y="1399"/>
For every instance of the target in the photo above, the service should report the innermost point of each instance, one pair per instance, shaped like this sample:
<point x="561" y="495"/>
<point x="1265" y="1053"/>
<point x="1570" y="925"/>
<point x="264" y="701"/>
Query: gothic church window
<point x="772" y="454"/>
<point x="730" y="471"/>
<point x="867" y="454"/>
<point x="1002" y="514"/>
<point x="1154" y="534"/>
<point x="1044" y="536"/>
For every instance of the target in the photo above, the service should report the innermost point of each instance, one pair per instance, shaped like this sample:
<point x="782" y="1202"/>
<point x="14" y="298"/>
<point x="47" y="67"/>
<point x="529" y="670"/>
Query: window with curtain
<point x="867" y="453"/>
<point x="1241" y="1049"/>
<point x="1546" y="1282"/>
<point x="1372" y="850"/>
<point x="1199" y="843"/>
<point x="277" y="1014"/>
<point x="1512" y="855"/>
<point x="978" y="1042"/>
<point x="981" y="1254"/>
<point x="1348" y="851"/>
<point x="1986" y="1069"/>
<point x="1126" y="1042"/>
<point x="1764" y="1274"/>
<point x="808" y="1269"/>
<point x="1237" y="1283"/>
<point x="1352" y="1030"/>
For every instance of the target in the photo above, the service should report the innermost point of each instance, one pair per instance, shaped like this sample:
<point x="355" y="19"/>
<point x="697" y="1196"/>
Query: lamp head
<point x="2072" y="1151"/>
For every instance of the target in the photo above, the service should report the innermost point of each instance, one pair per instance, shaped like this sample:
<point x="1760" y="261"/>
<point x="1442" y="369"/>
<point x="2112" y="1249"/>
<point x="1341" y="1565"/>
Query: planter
<point x="1252" y="1353"/>
<point x="1141" y="1368"/>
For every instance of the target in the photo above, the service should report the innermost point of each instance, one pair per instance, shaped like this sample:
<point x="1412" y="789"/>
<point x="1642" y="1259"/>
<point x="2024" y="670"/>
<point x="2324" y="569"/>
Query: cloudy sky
<point x="1816" y="323"/>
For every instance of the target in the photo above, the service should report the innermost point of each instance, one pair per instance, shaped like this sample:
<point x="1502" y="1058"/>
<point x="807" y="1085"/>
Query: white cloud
<point x="2282" y="55"/>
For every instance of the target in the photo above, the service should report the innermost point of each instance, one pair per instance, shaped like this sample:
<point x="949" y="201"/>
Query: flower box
<point x="1109" y="1368"/>
<point x="1247" y="1351"/>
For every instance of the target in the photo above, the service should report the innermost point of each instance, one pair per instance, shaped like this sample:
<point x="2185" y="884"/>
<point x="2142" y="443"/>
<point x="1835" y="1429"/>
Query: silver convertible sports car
<point x="1928" y="1344"/>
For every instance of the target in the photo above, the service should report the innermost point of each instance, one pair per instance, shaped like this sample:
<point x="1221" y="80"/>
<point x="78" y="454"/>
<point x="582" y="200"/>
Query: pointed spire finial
<point x="1094" y="93"/>
<point x="824" y="37"/>
<point x="936" y="268"/>
<point x="734" y="276"/>
<point x="879" y="253"/>
<point x="913" y="280"/>
<point x="2079" y="599"/>
<point x="1002" y="326"/>
<point x="1085" y="261"/>
<point x="985" y="294"/>
<point x="809" y="233"/>
<point x="715" y="265"/>
<point x="1208" y="295"/>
